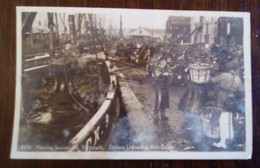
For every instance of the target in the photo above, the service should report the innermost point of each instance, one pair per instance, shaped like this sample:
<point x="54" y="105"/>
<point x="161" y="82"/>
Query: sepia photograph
<point x="100" y="83"/>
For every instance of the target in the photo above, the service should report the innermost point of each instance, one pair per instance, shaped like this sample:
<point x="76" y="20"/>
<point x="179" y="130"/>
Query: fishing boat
<point x="69" y="101"/>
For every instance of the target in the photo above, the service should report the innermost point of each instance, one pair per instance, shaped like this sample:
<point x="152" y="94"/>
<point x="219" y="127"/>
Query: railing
<point x="96" y="131"/>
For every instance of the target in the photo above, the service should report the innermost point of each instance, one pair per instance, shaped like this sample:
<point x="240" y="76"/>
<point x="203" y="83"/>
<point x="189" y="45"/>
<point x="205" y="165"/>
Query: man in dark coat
<point x="161" y="97"/>
<point x="161" y="76"/>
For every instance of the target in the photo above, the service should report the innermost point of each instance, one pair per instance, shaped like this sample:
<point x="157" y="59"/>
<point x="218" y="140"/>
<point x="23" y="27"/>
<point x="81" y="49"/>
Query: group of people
<point x="230" y="89"/>
<point x="138" y="52"/>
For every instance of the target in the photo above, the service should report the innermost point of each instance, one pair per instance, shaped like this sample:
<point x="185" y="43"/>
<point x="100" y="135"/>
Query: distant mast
<point x="152" y="32"/>
<point x="110" y="29"/>
<point x="121" y="25"/>
<point x="72" y="28"/>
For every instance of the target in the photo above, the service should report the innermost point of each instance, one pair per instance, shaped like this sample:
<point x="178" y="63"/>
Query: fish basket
<point x="200" y="72"/>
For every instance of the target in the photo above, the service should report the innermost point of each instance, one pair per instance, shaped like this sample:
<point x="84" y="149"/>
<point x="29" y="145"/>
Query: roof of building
<point x="140" y="32"/>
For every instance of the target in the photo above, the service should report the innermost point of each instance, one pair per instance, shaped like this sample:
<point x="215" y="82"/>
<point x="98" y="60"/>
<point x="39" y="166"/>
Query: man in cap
<point x="161" y="75"/>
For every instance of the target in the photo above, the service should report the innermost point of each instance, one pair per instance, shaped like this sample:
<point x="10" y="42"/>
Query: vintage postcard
<point x="98" y="83"/>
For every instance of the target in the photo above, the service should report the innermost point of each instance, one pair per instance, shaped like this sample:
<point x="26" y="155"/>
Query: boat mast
<point x="51" y="25"/>
<point x="95" y="37"/>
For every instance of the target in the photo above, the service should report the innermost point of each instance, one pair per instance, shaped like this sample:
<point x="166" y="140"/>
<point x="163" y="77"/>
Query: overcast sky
<point x="131" y="19"/>
<point x="134" y="20"/>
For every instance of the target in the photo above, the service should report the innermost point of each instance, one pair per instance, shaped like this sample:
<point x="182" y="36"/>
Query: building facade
<point x="189" y="30"/>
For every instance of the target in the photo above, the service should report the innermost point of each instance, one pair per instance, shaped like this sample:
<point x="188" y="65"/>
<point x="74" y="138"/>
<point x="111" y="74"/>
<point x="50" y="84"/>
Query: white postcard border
<point x="135" y="155"/>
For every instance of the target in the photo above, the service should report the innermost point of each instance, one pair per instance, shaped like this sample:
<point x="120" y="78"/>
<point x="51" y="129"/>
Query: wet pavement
<point x="138" y="95"/>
